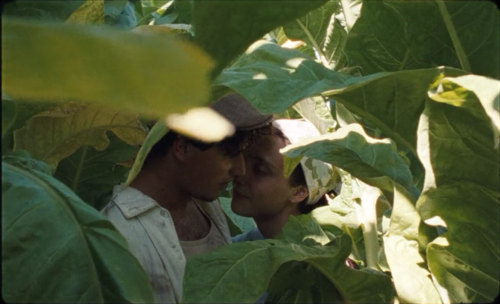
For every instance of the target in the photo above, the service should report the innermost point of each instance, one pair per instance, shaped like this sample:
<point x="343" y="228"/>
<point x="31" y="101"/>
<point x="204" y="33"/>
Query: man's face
<point x="263" y="191"/>
<point x="210" y="171"/>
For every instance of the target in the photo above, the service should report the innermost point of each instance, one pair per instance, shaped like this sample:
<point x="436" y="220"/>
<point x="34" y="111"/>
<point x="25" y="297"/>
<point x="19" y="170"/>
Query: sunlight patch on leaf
<point x="435" y="221"/>
<point x="295" y="62"/>
<point x="259" y="76"/>
<point x="203" y="124"/>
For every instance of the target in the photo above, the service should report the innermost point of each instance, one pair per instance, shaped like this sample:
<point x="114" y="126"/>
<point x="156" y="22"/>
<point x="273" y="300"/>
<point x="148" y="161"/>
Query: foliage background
<point x="406" y="94"/>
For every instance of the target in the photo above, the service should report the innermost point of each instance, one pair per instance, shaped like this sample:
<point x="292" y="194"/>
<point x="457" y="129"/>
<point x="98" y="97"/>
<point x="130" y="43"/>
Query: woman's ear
<point x="299" y="193"/>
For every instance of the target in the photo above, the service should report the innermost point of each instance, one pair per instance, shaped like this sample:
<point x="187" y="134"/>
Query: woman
<point x="265" y="194"/>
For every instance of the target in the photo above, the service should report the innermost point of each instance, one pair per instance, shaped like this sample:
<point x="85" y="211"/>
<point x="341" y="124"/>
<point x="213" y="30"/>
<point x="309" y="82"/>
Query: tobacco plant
<point x="405" y="94"/>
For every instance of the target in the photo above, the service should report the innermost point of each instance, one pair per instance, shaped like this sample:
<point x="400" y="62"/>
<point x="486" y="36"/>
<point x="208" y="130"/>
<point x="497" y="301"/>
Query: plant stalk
<point x="315" y="45"/>
<point x="368" y="205"/>
<point x="79" y="169"/>
<point x="464" y="61"/>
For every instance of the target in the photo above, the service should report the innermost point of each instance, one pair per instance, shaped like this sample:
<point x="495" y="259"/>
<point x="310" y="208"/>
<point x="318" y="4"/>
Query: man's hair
<point x="230" y="146"/>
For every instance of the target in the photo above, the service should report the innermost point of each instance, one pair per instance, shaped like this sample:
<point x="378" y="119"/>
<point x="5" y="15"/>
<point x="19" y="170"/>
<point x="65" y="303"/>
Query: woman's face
<point x="263" y="191"/>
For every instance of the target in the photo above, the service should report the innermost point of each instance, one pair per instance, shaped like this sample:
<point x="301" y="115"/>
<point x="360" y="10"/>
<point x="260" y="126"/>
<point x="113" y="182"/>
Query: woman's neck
<point x="271" y="226"/>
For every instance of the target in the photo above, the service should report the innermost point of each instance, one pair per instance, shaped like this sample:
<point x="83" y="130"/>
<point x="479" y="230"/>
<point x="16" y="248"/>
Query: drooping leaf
<point x="91" y="174"/>
<point x="224" y="29"/>
<point x="57" y="133"/>
<point x="56" y="248"/>
<point x="463" y="88"/>
<point x="457" y="147"/>
<point x="156" y="132"/>
<point x="374" y="161"/>
<point x="402" y="35"/>
<point x="256" y="262"/>
<point x="149" y="73"/>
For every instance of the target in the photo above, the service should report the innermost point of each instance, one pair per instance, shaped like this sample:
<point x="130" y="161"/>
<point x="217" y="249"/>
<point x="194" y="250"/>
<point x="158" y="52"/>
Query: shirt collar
<point x="131" y="201"/>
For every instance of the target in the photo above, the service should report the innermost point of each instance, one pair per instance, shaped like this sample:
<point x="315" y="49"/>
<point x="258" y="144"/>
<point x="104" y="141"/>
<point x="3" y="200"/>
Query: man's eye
<point x="260" y="169"/>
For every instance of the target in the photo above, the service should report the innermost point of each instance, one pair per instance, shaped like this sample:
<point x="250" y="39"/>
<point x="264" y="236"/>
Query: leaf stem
<point x="79" y="169"/>
<point x="464" y="61"/>
<point x="315" y="45"/>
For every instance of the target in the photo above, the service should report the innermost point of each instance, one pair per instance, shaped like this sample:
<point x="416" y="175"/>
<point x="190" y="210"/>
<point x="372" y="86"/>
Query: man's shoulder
<point x="130" y="201"/>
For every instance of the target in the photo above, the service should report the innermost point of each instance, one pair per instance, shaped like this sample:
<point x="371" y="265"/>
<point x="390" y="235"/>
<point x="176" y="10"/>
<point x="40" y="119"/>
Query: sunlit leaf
<point x="151" y="74"/>
<point x="57" y="133"/>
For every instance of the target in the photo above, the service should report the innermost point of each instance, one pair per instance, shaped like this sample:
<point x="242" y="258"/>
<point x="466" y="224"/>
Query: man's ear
<point x="180" y="148"/>
<point x="299" y="193"/>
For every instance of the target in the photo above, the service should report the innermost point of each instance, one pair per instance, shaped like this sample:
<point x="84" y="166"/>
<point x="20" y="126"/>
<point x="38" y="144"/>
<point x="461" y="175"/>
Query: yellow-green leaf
<point x="153" y="74"/>
<point x="57" y="133"/>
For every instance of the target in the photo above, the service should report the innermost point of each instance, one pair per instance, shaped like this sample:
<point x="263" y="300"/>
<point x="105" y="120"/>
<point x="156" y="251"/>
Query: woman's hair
<point x="297" y="178"/>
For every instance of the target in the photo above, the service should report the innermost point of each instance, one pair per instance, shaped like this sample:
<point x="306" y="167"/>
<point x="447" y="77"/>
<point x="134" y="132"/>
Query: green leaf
<point x="236" y="24"/>
<point x="148" y="73"/>
<point x="374" y="161"/>
<point x="274" y="78"/>
<point x="406" y="263"/>
<point x="322" y="32"/>
<point x="153" y="136"/>
<point x="16" y="113"/>
<point x="312" y="287"/>
<point x="57" y="133"/>
<point x="90" y="12"/>
<point x="49" y="10"/>
<point x="402" y="35"/>
<point x="217" y="276"/>
<point x="303" y="229"/>
<point x="59" y="248"/>
<point x="92" y="174"/>
<point x="316" y="111"/>
<point x="473" y="89"/>
<point x="457" y="147"/>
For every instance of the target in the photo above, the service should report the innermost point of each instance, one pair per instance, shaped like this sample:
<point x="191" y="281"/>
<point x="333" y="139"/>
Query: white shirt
<point x="151" y="236"/>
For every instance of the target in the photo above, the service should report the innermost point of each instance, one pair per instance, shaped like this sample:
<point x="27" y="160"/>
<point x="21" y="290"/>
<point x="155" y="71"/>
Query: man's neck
<point x="163" y="190"/>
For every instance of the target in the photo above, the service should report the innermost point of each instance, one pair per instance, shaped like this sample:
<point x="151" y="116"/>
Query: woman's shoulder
<point x="251" y="235"/>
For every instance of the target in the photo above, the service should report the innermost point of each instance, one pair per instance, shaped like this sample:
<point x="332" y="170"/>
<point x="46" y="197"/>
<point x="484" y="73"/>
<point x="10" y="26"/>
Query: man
<point x="166" y="214"/>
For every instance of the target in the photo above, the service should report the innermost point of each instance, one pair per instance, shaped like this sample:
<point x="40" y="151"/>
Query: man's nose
<point x="238" y="166"/>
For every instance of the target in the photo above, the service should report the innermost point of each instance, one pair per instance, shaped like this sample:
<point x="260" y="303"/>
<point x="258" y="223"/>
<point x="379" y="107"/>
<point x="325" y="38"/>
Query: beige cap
<point x="240" y="112"/>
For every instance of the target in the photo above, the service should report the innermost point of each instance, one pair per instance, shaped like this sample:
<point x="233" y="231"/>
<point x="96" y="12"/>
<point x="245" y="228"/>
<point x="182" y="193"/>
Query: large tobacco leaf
<point x="374" y="161"/>
<point x="457" y="146"/>
<point x="150" y="73"/>
<point x="91" y="174"/>
<point x="56" y="248"/>
<point x="256" y="262"/>
<point x="55" y="134"/>
<point x="224" y="29"/>
<point x="400" y="35"/>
